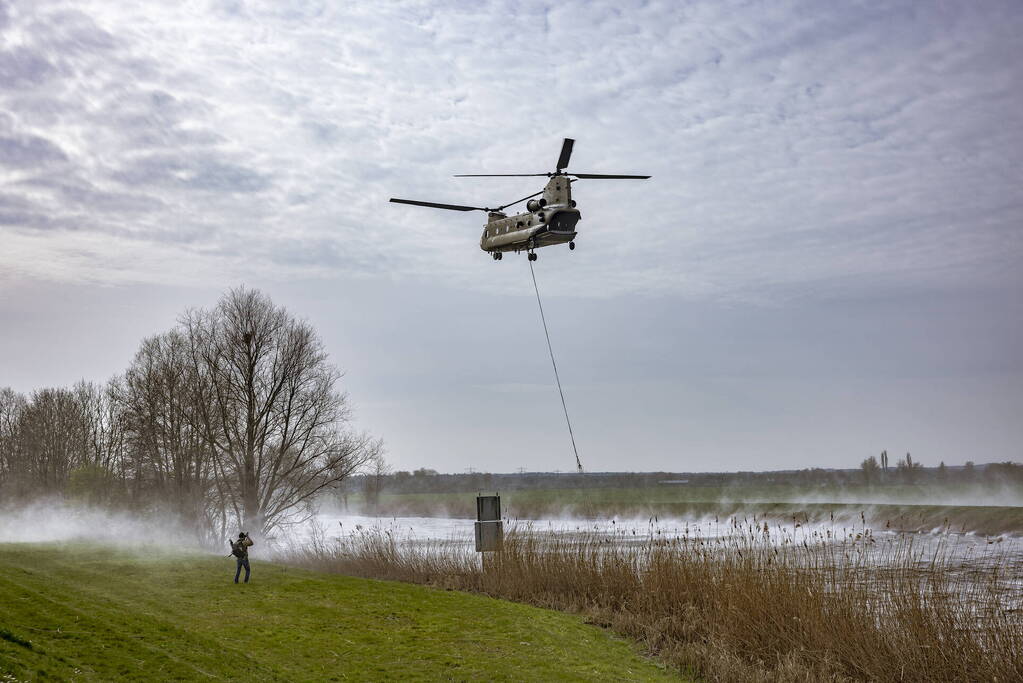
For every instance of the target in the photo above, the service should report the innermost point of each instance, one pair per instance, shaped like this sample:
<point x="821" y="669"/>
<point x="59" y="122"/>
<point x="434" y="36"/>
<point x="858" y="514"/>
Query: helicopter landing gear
<point x="571" y="246"/>
<point x="497" y="255"/>
<point x="532" y="256"/>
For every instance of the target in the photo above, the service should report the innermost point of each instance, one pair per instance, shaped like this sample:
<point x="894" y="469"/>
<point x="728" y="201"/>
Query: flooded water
<point x="979" y="569"/>
<point x="967" y="560"/>
<point x="457" y="531"/>
<point x="448" y="529"/>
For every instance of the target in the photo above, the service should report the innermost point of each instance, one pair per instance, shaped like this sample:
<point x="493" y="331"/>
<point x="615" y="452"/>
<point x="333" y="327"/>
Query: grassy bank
<point x="79" y="612"/>
<point x="749" y="606"/>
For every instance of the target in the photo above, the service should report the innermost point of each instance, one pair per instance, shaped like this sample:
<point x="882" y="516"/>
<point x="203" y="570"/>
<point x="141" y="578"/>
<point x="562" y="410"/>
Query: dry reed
<point x="751" y="603"/>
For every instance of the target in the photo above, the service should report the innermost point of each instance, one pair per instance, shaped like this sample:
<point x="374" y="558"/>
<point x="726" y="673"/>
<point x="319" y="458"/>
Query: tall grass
<point x="749" y="603"/>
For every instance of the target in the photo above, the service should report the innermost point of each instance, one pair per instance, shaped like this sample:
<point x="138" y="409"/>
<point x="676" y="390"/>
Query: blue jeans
<point x="242" y="562"/>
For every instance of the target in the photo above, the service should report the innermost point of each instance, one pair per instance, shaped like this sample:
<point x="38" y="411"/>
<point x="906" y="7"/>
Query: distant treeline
<point x="233" y="417"/>
<point x="903" y="473"/>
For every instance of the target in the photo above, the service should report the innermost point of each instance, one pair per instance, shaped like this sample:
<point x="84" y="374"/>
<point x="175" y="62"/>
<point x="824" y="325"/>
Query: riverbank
<point x="749" y="601"/>
<point x="90" y="612"/>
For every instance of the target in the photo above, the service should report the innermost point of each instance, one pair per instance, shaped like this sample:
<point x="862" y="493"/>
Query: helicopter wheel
<point x="532" y="256"/>
<point x="499" y="255"/>
<point x="571" y="246"/>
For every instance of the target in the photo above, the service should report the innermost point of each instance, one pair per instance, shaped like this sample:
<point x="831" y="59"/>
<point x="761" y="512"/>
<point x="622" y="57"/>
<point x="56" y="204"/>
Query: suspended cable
<point x="547" y="334"/>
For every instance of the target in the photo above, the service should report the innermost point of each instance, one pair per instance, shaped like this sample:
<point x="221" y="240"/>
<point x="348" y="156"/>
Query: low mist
<point x="57" y="521"/>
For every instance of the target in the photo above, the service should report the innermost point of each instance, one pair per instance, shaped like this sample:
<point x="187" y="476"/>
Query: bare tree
<point x="12" y="404"/>
<point x="93" y="477"/>
<point x="908" y="469"/>
<point x="376" y="476"/>
<point x="233" y="416"/>
<point x="54" y="438"/>
<point x="268" y="408"/>
<point x="169" y="460"/>
<point x="57" y="437"/>
<point x="870" y="469"/>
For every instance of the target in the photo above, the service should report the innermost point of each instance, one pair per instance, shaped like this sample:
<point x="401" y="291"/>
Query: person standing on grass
<point x="240" y="550"/>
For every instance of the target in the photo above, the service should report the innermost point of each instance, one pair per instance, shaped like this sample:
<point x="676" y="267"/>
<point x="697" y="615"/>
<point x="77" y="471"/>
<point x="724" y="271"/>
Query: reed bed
<point x="748" y="602"/>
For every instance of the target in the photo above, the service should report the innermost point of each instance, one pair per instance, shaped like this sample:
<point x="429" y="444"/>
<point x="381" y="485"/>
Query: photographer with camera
<point x="240" y="550"/>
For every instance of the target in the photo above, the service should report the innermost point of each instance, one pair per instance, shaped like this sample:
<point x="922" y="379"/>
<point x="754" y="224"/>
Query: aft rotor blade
<point x="450" y="207"/>
<point x="589" y="176"/>
<point x="502" y="208"/>
<point x="500" y="175"/>
<point x="566" y="153"/>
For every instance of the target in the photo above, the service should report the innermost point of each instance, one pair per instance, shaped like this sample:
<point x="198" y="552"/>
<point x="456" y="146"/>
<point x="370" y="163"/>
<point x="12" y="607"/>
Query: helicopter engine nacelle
<point x="536" y="204"/>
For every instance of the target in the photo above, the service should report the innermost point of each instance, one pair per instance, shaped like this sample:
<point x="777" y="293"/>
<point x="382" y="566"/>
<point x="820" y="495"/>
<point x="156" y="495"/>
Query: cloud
<point x="796" y="149"/>
<point x="28" y="150"/>
<point x="835" y="203"/>
<point x="204" y="173"/>
<point x="20" y="68"/>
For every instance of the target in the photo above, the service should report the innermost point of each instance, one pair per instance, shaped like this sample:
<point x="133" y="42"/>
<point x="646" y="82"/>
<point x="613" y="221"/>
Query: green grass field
<point x="82" y="612"/>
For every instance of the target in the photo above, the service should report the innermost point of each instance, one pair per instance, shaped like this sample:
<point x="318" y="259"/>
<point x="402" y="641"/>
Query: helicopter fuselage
<point x="525" y="231"/>
<point x="547" y="221"/>
<point x="550" y="220"/>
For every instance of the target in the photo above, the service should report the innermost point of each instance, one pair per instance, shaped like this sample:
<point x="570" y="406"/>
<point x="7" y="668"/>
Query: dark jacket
<point x="240" y="548"/>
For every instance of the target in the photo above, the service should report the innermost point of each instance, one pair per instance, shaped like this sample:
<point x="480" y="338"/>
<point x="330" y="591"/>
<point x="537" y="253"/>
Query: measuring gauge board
<point x="489" y="527"/>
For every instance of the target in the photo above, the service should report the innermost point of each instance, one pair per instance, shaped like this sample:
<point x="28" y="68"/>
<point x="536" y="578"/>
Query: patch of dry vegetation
<point x="745" y="605"/>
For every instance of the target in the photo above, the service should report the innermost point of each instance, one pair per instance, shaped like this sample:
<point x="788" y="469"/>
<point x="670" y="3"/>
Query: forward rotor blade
<point x="535" y="194"/>
<point x="566" y="153"/>
<point x="590" y="176"/>
<point x="450" y="207"/>
<point x="500" y="175"/>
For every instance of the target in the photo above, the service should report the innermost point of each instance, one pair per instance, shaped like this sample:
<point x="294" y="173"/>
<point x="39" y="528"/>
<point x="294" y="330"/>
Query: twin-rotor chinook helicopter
<point x="549" y="220"/>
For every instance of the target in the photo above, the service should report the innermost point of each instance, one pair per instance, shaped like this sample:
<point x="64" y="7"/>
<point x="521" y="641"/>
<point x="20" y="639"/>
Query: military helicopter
<point x="549" y="220"/>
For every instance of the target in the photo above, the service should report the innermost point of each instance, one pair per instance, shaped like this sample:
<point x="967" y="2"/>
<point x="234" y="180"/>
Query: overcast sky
<point x="826" y="263"/>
